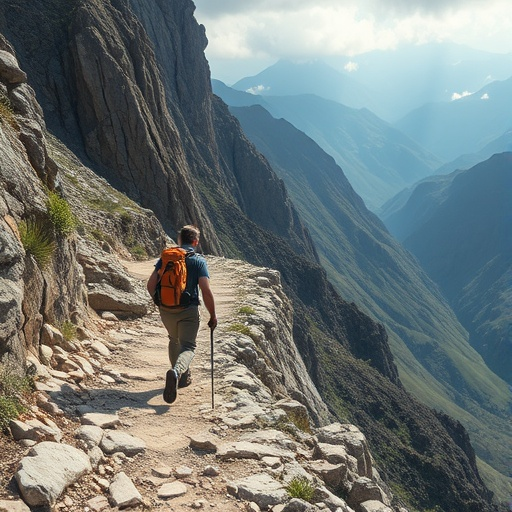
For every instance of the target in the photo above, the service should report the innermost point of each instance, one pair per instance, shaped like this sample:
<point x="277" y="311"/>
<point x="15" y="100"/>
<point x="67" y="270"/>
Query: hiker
<point x="182" y="322"/>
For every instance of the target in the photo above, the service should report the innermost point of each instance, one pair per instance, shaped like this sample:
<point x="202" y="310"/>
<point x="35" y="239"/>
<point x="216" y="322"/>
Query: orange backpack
<point x="172" y="279"/>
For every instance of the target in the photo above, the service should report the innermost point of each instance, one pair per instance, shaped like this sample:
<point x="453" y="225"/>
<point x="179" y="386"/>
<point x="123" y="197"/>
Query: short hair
<point x="188" y="234"/>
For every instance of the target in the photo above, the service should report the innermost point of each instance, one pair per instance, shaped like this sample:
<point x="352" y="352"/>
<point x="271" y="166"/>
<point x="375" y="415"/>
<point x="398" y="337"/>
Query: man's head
<point x="189" y="235"/>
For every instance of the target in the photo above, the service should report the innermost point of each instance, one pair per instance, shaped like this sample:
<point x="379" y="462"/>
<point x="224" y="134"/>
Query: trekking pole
<point x="211" y="346"/>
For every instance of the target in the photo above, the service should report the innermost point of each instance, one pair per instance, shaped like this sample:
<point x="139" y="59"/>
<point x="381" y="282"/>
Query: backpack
<point x="172" y="279"/>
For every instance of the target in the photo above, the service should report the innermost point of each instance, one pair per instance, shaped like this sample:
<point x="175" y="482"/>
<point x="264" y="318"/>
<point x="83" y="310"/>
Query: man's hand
<point x="212" y="323"/>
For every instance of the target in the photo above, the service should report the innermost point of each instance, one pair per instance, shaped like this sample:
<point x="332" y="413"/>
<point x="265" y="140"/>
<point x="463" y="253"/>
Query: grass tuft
<point x="300" y="487"/>
<point x="13" y="390"/>
<point x="37" y="241"/>
<point x="240" y="328"/>
<point x="68" y="330"/>
<point x="6" y="112"/>
<point x="246" y="310"/>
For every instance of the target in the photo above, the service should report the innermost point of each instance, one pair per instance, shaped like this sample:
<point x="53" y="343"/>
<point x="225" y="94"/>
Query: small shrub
<point x="97" y="234"/>
<point x="6" y="111"/>
<point x="126" y="218"/>
<point x="60" y="214"/>
<point x="106" y="205"/>
<point x="68" y="330"/>
<point x="138" y="252"/>
<point x="246" y="310"/>
<point x="37" y="241"/>
<point x="300" y="487"/>
<point x="13" y="388"/>
<point x="301" y="421"/>
<point x="240" y="328"/>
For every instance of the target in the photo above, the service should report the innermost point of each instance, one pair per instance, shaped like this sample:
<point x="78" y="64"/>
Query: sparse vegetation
<point x="138" y="252"/>
<point x="37" y="241"/>
<point x="246" y="310"/>
<point x="68" y="330"/>
<point x="13" y="388"/>
<point x="113" y="204"/>
<point x="6" y="112"/>
<point x="300" y="487"/>
<point x="60" y="214"/>
<point x="240" y="328"/>
<point x="301" y="421"/>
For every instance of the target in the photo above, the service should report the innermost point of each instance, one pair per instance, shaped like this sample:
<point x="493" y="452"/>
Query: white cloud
<point x="484" y="96"/>
<point x="457" y="96"/>
<point x="258" y="89"/>
<point x="273" y="29"/>
<point x="351" y="66"/>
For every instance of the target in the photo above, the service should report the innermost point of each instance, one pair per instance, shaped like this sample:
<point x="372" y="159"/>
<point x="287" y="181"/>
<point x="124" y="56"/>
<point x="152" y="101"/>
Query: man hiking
<point x="182" y="320"/>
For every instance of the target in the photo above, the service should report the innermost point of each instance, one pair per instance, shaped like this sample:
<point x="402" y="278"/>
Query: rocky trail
<point x="141" y="360"/>
<point x="99" y="436"/>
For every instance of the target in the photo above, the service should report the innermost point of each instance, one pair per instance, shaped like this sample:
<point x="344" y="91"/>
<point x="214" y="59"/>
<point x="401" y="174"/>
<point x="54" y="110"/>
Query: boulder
<point x="47" y="470"/>
<point x="261" y="489"/>
<point x="123" y="492"/>
<point x="114" y="441"/>
<point x="10" y="71"/>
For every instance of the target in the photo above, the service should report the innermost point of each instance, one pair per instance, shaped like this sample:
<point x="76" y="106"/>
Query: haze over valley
<point x="354" y="160"/>
<point x="422" y="133"/>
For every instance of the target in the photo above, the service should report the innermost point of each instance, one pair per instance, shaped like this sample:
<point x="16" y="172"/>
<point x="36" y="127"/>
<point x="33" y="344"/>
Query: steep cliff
<point x="204" y="166"/>
<point x="30" y="294"/>
<point x="368" y="266"/>
<point x="44" y="271"/>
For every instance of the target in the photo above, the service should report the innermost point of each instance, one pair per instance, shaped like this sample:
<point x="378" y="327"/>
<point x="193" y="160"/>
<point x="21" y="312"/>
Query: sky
<point x="246" y="36"/>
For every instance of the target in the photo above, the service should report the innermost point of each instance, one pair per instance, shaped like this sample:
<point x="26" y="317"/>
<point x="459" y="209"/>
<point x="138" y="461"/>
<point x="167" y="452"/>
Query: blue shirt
<point x="196" y="268"/>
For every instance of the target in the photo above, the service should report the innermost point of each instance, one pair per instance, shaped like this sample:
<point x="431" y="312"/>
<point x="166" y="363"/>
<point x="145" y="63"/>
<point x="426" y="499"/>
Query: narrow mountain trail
<point x="139" y="357"/>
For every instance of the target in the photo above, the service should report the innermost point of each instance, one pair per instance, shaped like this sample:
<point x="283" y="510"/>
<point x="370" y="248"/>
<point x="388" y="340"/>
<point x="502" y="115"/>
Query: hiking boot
<point x="171" y="386"/>
<point x="185" y="379"/>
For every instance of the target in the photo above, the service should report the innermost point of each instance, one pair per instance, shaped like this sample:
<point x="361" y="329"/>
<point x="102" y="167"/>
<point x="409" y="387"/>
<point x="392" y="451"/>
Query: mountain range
<point x="466" y="125"/>
<point x="380" y="161"/>
<point x="369" y="267"/>
<point x="389" y="83"/>
<point x="458" y="226"/>
<point x="125" y="86"/>
<point x="321" y="197"/>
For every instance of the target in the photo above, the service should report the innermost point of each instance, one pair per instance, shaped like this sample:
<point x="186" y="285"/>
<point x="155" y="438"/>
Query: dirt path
<point x="140" y="357"/>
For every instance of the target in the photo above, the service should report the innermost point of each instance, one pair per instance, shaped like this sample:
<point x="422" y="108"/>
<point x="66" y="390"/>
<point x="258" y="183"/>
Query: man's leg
<point x="170" y="320"/>
<point x="182" y="327"/>
<point x="188" y="326"/>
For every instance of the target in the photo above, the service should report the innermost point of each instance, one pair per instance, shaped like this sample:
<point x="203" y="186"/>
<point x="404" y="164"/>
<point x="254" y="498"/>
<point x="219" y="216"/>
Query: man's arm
<point x="209" y="302"/>
<point x="152" y="282"/>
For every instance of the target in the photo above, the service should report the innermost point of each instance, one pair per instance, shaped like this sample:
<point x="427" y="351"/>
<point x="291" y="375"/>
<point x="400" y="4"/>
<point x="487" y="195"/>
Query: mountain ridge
<point x="461" y="238"/>
<point x="379" y="160"/>
<point x="369" y="267"/>
<point x="326" y="328"/>
<point x="465" y="125"/>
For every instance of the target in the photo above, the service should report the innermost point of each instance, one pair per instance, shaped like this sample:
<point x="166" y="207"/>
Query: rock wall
<point x="29" y="293"/>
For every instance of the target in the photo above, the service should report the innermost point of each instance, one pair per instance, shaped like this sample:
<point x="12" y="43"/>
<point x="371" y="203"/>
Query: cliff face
<point x="32" y="164"/>
<point x="29" y="294"/>
<point x="128" y="95"/>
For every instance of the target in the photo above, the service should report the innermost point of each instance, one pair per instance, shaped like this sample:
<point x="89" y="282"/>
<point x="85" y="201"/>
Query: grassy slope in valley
<point x="462" y="238"/>
<point x="378" y="159"/>
<point x="368" y="266"/>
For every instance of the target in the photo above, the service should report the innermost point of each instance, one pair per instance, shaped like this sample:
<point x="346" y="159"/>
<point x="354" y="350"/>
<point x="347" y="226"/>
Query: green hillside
<point x="370" y="268"/>
<point x="461" y="236"/>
